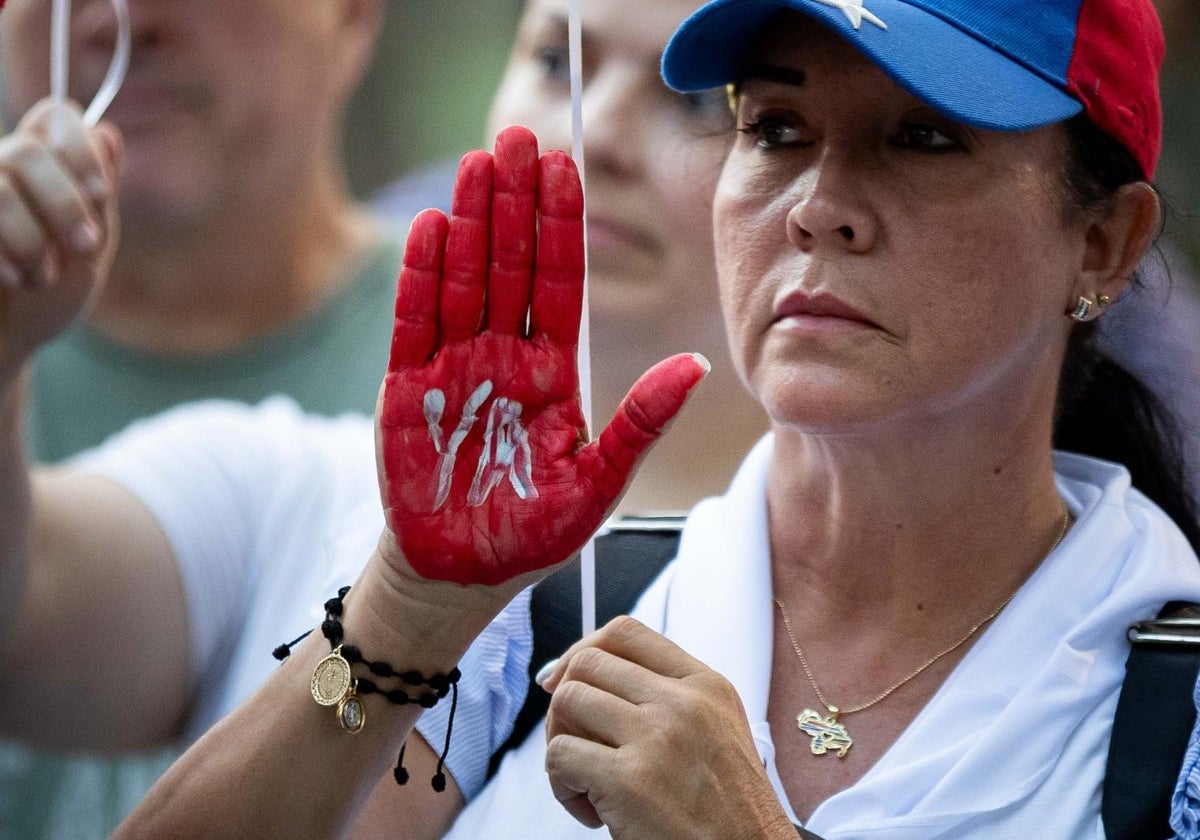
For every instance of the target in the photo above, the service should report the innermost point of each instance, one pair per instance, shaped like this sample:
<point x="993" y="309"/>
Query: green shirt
<point x="85" y="388"/>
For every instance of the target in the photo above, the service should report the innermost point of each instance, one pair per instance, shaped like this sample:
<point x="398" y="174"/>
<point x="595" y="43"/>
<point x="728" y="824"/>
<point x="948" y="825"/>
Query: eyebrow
<point x="773" y="73"/>
<point x="557" y="22"/>
<point x="562" y="26"/>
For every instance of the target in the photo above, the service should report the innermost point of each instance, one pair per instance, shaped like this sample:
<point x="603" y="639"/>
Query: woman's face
<point x="879" y="262"/>
<point x="652" y="155"/>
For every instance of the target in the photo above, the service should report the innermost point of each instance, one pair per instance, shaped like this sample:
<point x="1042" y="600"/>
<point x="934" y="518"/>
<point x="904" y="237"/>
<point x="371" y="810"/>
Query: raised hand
<point x="58" y="225"/>
<point x="485" y="467"/>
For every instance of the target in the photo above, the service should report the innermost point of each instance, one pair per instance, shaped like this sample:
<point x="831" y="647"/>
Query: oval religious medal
<point x="331" y="679"/>
<point x="351" y="714"/>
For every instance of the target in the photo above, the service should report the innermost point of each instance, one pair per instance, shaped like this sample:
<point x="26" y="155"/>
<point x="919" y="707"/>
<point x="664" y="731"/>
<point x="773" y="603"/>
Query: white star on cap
<point x="854" y="12"/>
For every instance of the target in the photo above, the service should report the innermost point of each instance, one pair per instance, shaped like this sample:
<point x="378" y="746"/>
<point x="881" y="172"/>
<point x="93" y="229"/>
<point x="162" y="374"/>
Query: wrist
<point x="426" y="624"/>
<point x="768" y="818"/>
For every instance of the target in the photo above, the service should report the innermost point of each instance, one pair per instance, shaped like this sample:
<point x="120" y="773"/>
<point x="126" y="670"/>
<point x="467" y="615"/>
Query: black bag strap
<point x="628" y="558"/>
<point x="1154" y="719"/>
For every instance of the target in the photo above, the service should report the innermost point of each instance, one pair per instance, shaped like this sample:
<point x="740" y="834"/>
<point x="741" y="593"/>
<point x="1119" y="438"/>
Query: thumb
<point x="112" y="143"/>
<point x="641" y="419"/>
<point x="110" y="147"/>
<point x="112" y="156"/>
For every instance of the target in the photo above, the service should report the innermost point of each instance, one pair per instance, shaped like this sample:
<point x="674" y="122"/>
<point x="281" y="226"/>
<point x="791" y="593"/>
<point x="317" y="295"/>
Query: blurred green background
<point x="427" y="93"/>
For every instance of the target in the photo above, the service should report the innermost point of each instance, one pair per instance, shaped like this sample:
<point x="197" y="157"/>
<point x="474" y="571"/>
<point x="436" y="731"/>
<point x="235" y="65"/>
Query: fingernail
<point x="703" y="362"/>
<point x="85" y="237"/>
<point x="544" y="672"/>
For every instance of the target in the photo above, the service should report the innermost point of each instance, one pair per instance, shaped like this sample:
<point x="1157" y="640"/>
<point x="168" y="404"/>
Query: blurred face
<point x="877" y="261"/>
<point x="652" y="155"/>
<point x="225" y="99"/>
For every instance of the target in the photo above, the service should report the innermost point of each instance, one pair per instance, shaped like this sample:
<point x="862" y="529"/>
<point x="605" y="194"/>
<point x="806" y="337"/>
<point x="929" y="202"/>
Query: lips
<point x="821" y="305"/>
<point x="608" y="231"/>
<point x="144" y="101"/>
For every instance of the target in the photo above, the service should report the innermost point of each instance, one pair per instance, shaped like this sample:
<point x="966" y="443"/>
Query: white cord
<point x="116" y="69"/>
<point x="60" y="52"/>
<point x="60" y="28"/>
<point x="587" y="557"/>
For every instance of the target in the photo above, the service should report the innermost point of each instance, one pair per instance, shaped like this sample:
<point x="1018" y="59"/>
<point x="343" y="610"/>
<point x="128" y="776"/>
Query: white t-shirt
<point x="1014" y="743"/>
<point x="268" y="512"/>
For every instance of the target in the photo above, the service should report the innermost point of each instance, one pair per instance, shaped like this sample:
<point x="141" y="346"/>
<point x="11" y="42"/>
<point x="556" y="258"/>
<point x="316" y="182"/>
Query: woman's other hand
<point x="58" y="225"/>
<point x="484" y="462"/>
<point x="651" y="743"/>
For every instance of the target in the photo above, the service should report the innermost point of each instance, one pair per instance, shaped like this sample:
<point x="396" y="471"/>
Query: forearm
<point x="280" y="765"/>
<point x="58" y="231"/>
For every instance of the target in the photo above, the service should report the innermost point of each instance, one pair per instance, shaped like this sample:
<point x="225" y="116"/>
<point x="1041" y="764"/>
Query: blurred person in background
<point x="652" y="161"/>
<point x="244" y="268"/>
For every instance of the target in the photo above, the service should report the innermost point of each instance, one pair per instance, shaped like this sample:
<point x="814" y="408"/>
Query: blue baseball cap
<point x="1006" y="65"/>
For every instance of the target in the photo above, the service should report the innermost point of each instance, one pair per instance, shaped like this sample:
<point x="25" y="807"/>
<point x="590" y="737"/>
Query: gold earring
<point x="1103" y="301"/>
<point x="1083" y="309"/>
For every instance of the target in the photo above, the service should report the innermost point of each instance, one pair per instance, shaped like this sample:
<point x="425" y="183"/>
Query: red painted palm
<point x="485" y="467"/>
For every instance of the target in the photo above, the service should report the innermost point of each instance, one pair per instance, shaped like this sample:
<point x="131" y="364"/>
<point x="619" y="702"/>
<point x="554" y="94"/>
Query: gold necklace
<point x="826" y="733"/>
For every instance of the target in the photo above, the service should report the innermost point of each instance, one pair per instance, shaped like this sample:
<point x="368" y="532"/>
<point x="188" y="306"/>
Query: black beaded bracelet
<point x="333" y="684"/>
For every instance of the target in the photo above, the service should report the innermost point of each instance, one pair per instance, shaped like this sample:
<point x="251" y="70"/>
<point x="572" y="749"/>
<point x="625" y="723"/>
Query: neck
<point x="698" y="456"/>
<point x="249" y="270"/>
<point x="943" y="518"/>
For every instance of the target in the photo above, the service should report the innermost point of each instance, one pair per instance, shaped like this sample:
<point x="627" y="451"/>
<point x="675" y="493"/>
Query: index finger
<point x="415" y="333"/>
<point x="634" y="642"/>
<point x="558" y="277"/>
<point x="61" y="127"/>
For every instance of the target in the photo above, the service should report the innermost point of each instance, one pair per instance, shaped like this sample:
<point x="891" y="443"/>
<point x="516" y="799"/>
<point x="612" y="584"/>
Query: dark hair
<point x="1103" y="409"/>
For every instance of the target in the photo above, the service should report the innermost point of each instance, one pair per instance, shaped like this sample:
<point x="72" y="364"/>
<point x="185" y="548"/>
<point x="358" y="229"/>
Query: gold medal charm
<point x="332" y="685"/>
<point x="331" y="682"/>
<point x="826" y="733"/>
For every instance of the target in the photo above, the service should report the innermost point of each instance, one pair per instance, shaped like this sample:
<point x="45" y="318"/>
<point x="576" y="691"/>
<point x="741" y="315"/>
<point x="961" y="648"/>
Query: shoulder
<point x="1103" y="499"/>
<point x="276" y="418"/>
<point x="230" y="441"/>
<point x="1122" y="538"/>
<point x="412" y="193"/>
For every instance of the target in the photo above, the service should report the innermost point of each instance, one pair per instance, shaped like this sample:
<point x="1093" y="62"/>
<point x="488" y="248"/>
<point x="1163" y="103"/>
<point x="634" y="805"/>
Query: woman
<point x="901" y="289"/>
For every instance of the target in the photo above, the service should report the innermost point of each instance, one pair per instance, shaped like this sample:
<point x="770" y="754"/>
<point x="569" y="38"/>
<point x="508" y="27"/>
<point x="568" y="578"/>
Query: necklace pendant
<point x="826" y="733"/>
